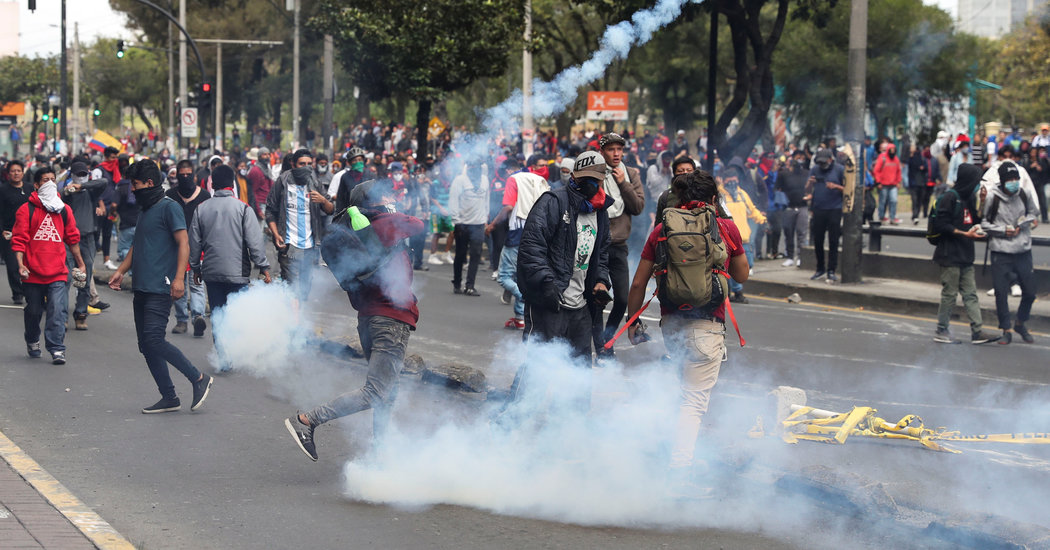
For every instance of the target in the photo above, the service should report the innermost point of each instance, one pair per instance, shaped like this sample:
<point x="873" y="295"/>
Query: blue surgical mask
<point x="1012" y="187"/>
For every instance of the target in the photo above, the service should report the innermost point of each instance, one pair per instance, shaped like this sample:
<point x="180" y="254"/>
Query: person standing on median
<point x="159" y="256"/>
<point x="225" y="240"/>
<point x="1009" y="217"/>
<point x="43" y="229"/>
<point x="955" y="220"/>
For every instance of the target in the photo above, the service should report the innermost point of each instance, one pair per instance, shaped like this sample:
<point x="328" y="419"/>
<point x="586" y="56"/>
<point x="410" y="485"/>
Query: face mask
<point x="186" y="185"/>
<point x="322" y="169"/>
<point x="1012" y="187"/>
<point x="148" y="196"/>
<point x="588" y="187"/>
<point x="565" y="177"/>
<point x="243" y="171"/>
<point x="48" y="194"/>
<point x="398" y="176"/>
<point x="303" y="175"/>
<point x="892" y="153"/>
<point x="358" y="166"/>
<point x="80" y="180"/>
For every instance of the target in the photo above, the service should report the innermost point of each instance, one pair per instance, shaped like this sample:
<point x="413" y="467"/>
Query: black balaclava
<point x="186" y="185"/>
<point x="148" y="196"/>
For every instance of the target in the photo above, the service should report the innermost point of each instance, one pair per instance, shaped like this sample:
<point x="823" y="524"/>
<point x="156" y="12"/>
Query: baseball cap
<point x="1008" y="172"/>
<point x="610" y="139"/>
<point x="589" y="165"/>
<point x="78" y="168"/>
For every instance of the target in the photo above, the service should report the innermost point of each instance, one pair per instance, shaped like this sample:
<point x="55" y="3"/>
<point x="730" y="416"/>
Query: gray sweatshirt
<point x="469" y="204"/>
<point x="1011" y="212"/>
<point x="227" y="231"/>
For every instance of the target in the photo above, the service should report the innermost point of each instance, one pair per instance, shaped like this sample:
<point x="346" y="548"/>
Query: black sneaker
<point x="198" y="326"/>
<point x="180" y="328"/>
<point x="832" y="278"/>
<point x="303" y="434"/>
<point x="738" y="298"/>
<point x="471" y="291"/>
<point x="17" y="300"/>
<point x="457" y="290"/>
<point x="58" y="358"/>
<point x="983" y="337"/>
<point x="943" y="336"/>
<point x="165" y="405"/>
<point x="1006" y="338"/>
<point x="33" y="349"/>
<point x="506" y="298"/>
<point x="1022" y="331"/>
<point x="100" y="305"/>
<point x="200" y="391"/>
<point x="817" y="275"/>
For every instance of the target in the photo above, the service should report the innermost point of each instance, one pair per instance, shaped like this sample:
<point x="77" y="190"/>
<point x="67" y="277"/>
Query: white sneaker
<point x="991" y="292"/>
<point x="448" y="258"/>
<point x="798" y="262"/>
<point x="788" y="262"/>
<point x="435" y="259"/>
<point x="495" y="275"/>
<point x="1015" y="290"/>
<point x="111" y="265"/>
<point x="750" y="272"/>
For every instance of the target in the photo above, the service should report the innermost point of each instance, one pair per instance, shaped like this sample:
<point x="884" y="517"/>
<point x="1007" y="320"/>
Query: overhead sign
<point x="606" y="105"/>
<point x="435" y="128"/>
<point x="189" y="122"/>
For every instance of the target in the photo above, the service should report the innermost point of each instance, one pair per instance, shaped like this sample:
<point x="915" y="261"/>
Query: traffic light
<point x="46" y="117"/>
<point x="204" y="97"/>
<point x="96" y="112"/>
<point x="54" y="115"/>
<point x="120" y="49"/>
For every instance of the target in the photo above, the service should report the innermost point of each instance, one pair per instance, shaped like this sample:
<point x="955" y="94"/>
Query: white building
<point x="9" y="29"/>
<point x="994" y="18"/>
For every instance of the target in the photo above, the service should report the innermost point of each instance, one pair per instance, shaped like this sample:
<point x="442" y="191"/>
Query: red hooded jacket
<point x="42" y="241"/>
<point x="389" y="292"/>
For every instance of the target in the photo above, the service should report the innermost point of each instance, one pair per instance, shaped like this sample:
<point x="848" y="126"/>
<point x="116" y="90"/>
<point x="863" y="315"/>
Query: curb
<point x="96" y="529"/>
<point x="840" y="295"/>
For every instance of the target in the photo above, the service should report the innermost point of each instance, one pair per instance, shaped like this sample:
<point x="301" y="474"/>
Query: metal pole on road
<point x="526" y="84"/>
<point x="218" y="97"/>
<point x="295" y="76"/>
<point x="853" y="206"/>
<point x="326" y="130"/>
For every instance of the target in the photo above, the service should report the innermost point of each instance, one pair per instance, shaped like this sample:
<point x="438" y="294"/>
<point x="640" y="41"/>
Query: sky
<point x="96" y="18"/>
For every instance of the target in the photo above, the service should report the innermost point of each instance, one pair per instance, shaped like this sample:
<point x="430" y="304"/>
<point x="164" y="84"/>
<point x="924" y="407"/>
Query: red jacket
<point x="389" y="291"/>
<point x="42" y="240"/>
<point x="887" y="171"/>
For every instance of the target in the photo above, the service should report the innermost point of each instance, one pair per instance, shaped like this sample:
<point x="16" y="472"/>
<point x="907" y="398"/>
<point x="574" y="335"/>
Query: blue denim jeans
<point x="125" y="238"/>
<point x="151" y="321"/>
<point x="297" y="268"/>
<point x="383" y="341"/>
<point x="194" y="297"/>
<point x="888" y="197"/>
<point x="52" y="299"/>
<point x="749" y="251"/>
<point x="508" y="277"/>
<point x="87" y="252"/>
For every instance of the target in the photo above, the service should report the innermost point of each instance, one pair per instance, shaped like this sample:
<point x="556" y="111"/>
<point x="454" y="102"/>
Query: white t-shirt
<point x="586" y="236"/>
<point x="297" y="210"/>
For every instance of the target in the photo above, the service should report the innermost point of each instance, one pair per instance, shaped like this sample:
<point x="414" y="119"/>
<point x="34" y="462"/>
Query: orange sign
<point x="607" y="105"/>
<point x="13" y="109"/>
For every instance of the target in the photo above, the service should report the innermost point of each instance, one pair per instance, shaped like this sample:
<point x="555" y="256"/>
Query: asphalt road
<point x="229" y="476"/>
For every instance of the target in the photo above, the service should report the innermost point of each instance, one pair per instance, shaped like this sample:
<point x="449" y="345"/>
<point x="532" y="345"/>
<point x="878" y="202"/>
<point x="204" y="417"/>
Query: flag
<point x="101" y="140"/>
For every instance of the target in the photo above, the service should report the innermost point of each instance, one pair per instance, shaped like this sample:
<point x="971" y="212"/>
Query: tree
<point x="1019" y="62"/>
<point x="28" y="79"/>
<point x="138" y="80"/>
<point x="422" y="49"/>
<point x="914" y="55"/>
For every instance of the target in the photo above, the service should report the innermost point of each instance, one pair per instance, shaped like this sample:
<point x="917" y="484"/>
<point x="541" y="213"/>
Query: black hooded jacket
<point x="954" y="250"/>
<point x="547" y="252"/>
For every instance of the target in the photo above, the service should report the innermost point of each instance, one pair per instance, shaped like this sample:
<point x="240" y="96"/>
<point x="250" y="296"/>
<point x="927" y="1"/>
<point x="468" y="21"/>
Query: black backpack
<point x="993" y="209"/>
<point x="353" y="255"/>
<point x="931" y="236"/>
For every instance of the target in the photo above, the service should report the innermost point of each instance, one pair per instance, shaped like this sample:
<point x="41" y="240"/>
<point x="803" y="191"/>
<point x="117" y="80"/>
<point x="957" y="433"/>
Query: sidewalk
<point x="36" y="511"/>
<point x="886" y="295"/>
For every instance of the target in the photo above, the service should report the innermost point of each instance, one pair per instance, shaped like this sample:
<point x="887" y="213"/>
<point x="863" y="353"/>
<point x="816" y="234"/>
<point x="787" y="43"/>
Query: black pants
<point x="620" y="274"/>
<point x="920" y="201"/>
<point x="773" y="240"/>
<point x="416" y="244"/>
<point x="497" y="239"/>
<point x="11" y="263"/>
<point x="468" y="237"/>
<point x="1040" y="190"/>
<point x="829" y="221"/>
<point x="218" y="293"/>
<point x="151" y="320"/>
<point x="1005" y="269"/>
<point x="103" y="235"/>
<point x="542" y="326"/>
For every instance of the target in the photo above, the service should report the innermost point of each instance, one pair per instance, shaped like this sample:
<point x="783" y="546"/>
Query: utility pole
<point x="526" y="84"/>
<point x="326" y="131"/>
<point x="853" y="201"/>
<point x="171" y="79"/>
<point x="76" y="86"/>
<point x="64" y="77"/>
<point x="184" y="97"/>
<point x="218" y="97"/>
<point x="712" y="77"/>
<point x="295" y="77"/>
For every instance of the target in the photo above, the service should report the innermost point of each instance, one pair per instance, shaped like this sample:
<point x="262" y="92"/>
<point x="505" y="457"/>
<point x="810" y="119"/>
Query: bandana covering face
<point x="48" y="194"/>
<point x="148" y="196"/>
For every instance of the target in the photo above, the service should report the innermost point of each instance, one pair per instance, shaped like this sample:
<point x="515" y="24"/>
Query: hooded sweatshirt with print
<point x="42" y="240"/>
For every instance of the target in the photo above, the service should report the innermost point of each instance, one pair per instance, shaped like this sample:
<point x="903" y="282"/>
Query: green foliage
<point x="913" y="53"/>
<point x="423" y="49"/>
<point x="139" y="80"/>
<point x="1020" y="63"/>
<point x="28" y="78"/>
